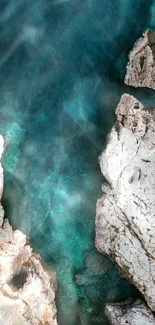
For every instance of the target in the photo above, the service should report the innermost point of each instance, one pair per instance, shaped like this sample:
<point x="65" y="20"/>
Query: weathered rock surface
<point x="131" y="313"/>
<point x="27" y="287"/>
<point x="141" y="66"/>
<point x="125" y="218"/>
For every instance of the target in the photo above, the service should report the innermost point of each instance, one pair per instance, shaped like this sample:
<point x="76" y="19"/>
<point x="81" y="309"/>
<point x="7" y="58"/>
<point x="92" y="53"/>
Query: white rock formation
<point x="129" y="313"/>
<point x="27" y="287"/>
<point x="141" y="66"/>
<point x="125" y="218"/>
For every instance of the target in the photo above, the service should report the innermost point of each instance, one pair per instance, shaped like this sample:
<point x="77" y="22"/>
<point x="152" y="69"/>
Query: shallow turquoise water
<point x="62" y="66"/>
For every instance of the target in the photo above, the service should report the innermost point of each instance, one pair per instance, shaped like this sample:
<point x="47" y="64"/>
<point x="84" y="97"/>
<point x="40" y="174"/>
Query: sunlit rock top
<point x="27" y="287"/>
<point x="131" y="313"/>
<point x="141" y="66"/>
<point x="125" y="217"/>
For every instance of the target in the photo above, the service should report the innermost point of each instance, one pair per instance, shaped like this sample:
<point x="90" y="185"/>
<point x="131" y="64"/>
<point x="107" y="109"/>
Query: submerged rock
<point x="125" y="216"/>
<point x="129" y="312"/>
<point x="95" y="265"/>
<point x="27" y="287"/>
<point x="141" y="66"/>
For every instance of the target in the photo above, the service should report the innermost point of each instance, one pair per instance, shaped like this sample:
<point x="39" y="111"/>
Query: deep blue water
<point x="62" y="65"/>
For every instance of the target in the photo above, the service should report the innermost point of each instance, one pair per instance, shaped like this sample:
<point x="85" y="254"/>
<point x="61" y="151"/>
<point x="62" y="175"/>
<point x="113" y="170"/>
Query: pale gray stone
<point x="125" y="217"/>
<point x="141" y="66"/>
<point x="129" y="313"/>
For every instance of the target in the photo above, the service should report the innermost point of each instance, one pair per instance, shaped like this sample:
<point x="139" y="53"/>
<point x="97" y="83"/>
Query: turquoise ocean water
<point x="62" y="65"/>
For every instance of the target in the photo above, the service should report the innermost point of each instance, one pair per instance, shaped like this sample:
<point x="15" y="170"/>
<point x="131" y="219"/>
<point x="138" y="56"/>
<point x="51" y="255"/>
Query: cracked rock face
<point x="27" y="287"/>
<point x="141" y="66"/>
<point x="125" y="214"/>
<point x="129" y="313"/>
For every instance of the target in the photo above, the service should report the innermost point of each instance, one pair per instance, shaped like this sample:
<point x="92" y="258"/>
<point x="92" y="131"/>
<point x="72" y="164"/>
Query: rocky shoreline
<point x="27" y="286"/>
<point x="125" y="214"/>
<point x="141" y="65"/>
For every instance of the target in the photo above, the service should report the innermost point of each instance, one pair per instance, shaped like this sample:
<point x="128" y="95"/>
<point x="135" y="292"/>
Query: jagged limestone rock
<point x="129" y="313"/>
<point x="27" y="287"/>
<point x="141" y="65"/>
<point x="125" y="217"/>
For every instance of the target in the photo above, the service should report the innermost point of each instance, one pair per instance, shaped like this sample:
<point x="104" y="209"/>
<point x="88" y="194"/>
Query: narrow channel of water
<point x="62" y="65"/>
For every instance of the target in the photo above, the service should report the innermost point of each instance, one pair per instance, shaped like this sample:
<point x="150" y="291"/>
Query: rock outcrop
<point x="129" y="312"/>
<point x="27" y="287"/>
<point x="125" y="218"/>
<point x="141" y="66"/>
